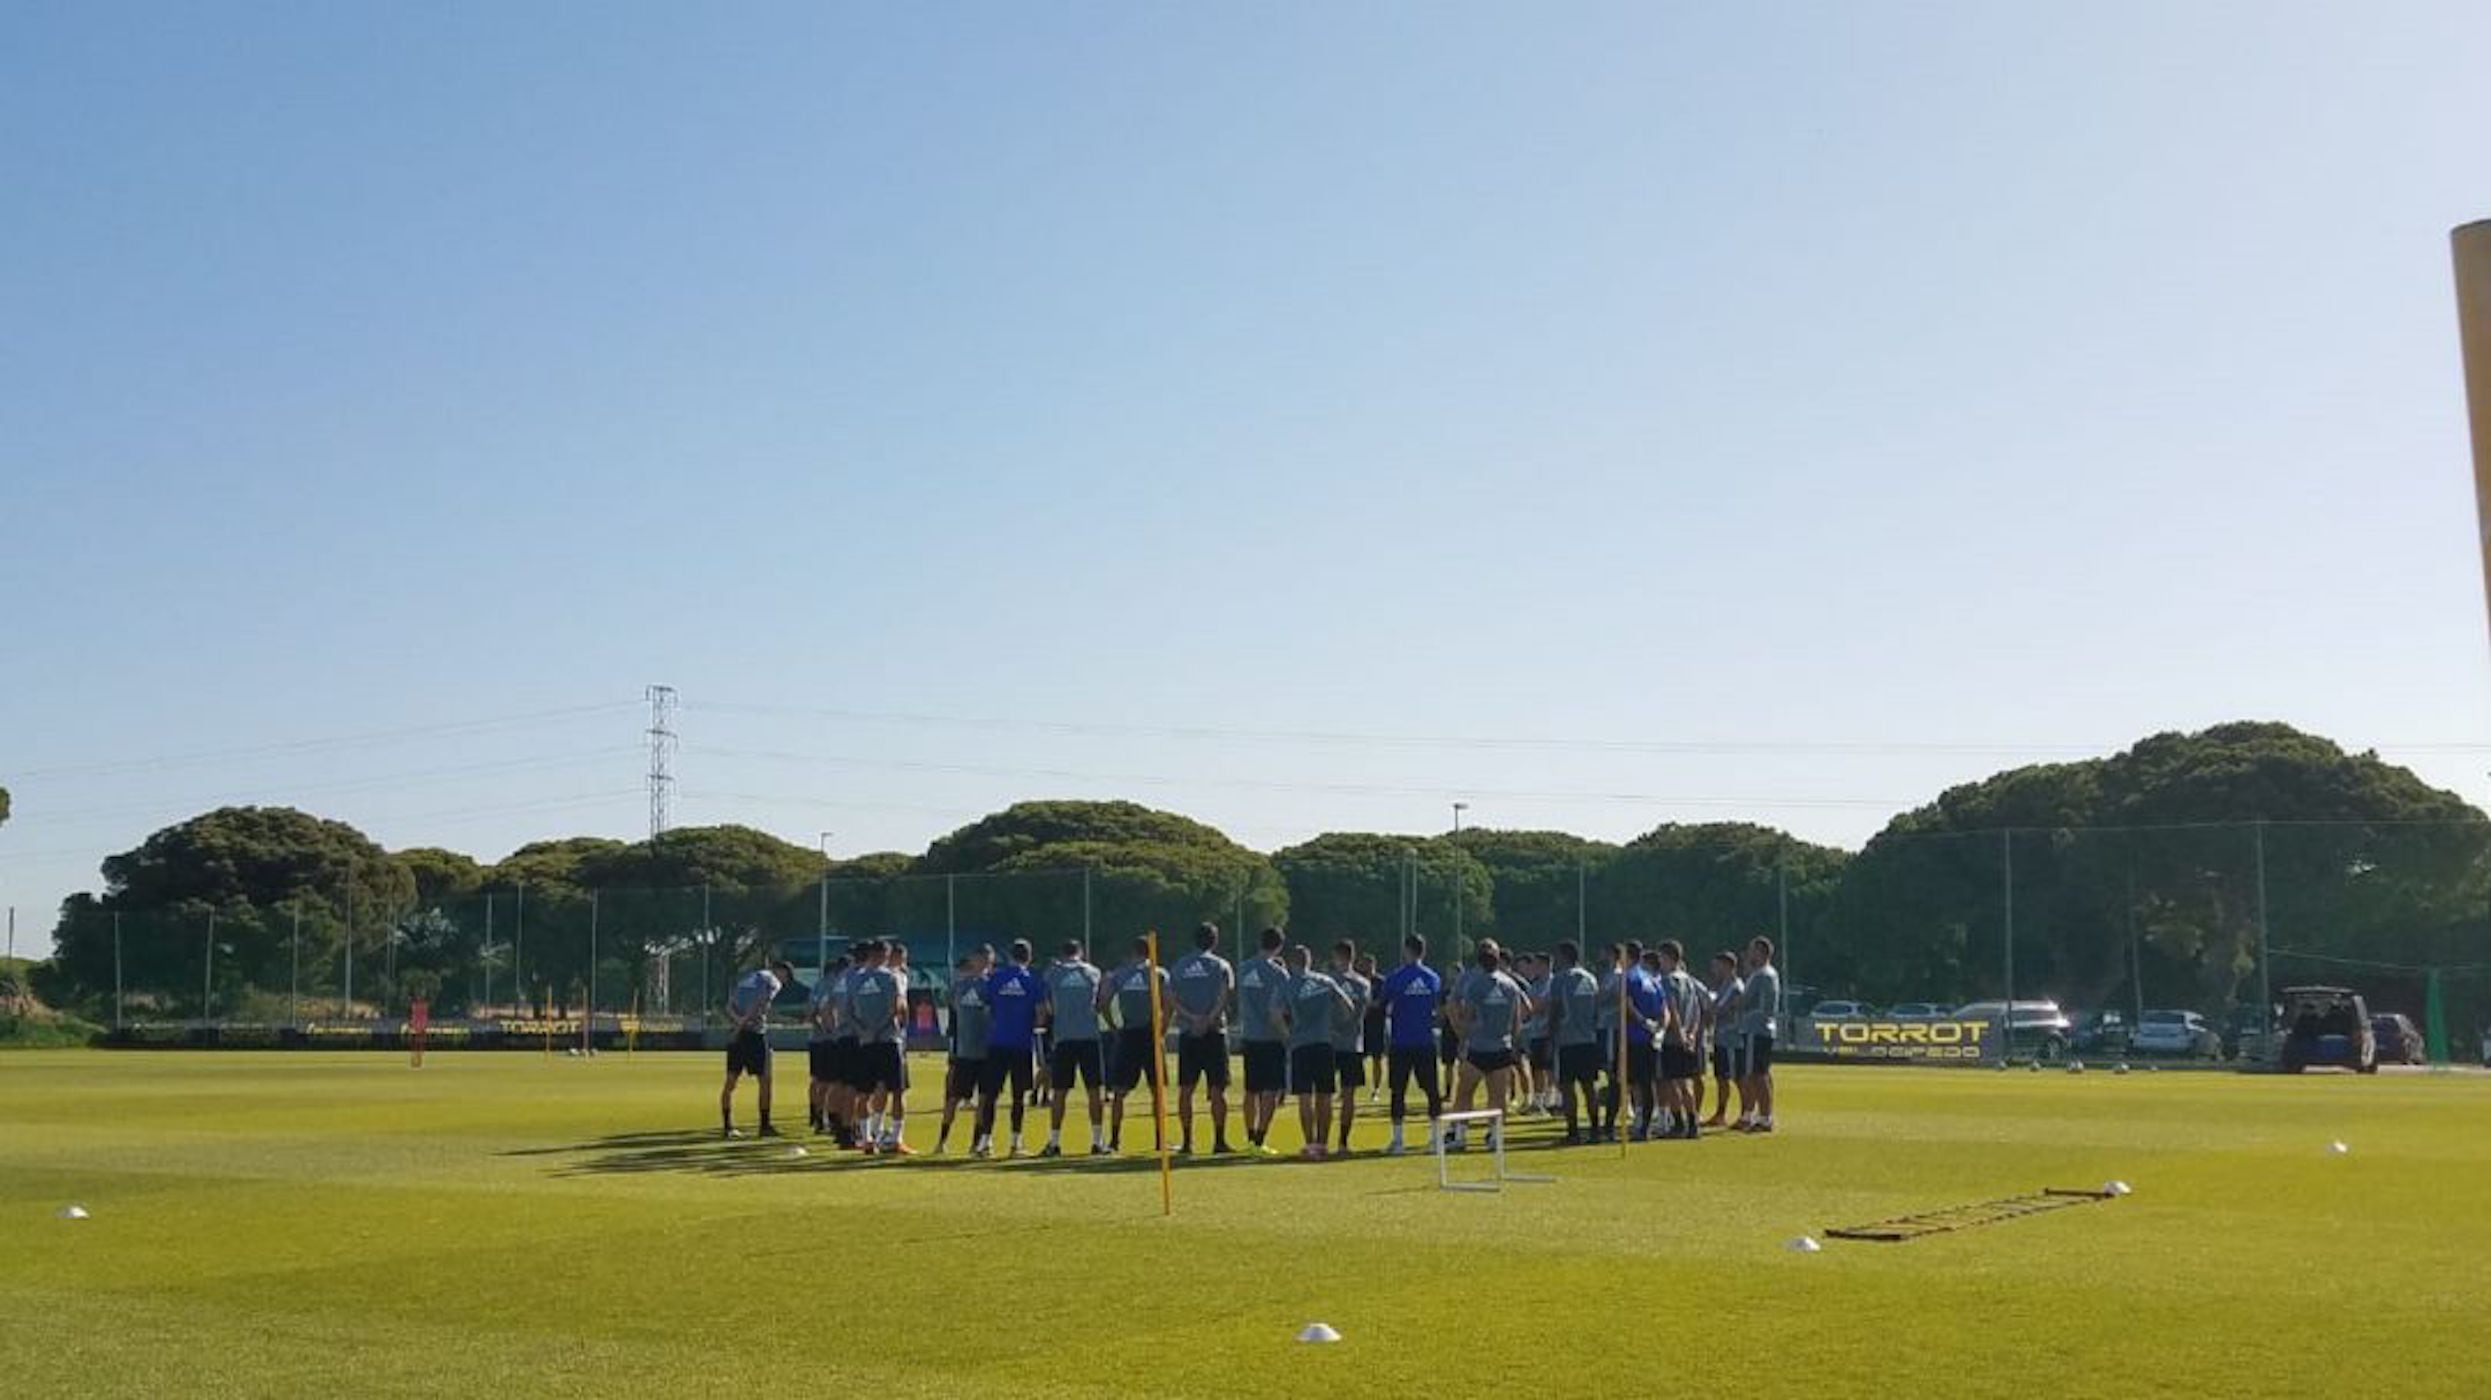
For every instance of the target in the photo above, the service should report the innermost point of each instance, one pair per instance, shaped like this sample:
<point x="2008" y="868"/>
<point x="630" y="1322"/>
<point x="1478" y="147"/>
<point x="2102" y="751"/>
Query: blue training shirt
<point x="1647" y="995"/>
<point x="1410" y="993"/>
<point x="1013" y="993"/>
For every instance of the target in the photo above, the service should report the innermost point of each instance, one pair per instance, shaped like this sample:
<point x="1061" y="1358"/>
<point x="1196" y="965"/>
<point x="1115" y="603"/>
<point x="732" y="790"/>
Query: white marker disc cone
<point x="71" y="1212"/>
<point x="1318" y="1332"/>
<point x="2337" y="1148"/>
<point x="1804" y="1244"/>
<point x="2114" y="1188"/>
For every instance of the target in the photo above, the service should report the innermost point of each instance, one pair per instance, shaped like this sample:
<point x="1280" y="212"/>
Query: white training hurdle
<point x="1439" y="1130"/>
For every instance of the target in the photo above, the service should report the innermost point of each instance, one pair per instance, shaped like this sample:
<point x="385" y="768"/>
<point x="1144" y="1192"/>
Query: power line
<point x="293" y="791"/>
<point x="320" y="745"/>
<point x="1280" y="785"/>
<point x="1725" y="747"/>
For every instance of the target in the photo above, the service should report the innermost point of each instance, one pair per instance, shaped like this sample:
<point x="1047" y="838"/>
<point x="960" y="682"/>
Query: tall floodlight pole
<point x="661" y="758"/>
<point x="2472" y="245"/>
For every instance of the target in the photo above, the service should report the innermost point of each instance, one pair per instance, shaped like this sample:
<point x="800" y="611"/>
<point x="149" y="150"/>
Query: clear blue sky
<point x="1882" y="394"/>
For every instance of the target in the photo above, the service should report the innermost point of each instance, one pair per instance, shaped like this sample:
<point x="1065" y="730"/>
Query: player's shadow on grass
<point x="698" y="1152"/>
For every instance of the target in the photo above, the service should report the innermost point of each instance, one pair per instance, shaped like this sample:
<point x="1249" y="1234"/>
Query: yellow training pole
<point x="1625" y="1102"/>
<point x="1158" y="1081"/>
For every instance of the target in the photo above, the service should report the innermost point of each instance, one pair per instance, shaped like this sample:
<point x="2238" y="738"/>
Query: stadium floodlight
<point x="1494" y="1118"/>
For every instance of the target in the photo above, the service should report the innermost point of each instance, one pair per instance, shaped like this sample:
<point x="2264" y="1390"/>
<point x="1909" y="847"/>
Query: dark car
<point x="2327" y="1026"/>
<point x="2099" y="1032"/>
<point x="2037" y="1030"/>
<point x="2399" y="1041"/>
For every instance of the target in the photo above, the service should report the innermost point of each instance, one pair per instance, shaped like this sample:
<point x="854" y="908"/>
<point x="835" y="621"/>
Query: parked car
<point x="2035" y="1028"/>
<point x="2327" y="1026"/>
<point x="2247" y="1035"/>
<point x="1930" y="1011"/>
<point x="2100" y="1032"/>
<point x="2179" y="1033"/>
<point x="2399" y="1040"/>
<point x="1841" y="1011"/>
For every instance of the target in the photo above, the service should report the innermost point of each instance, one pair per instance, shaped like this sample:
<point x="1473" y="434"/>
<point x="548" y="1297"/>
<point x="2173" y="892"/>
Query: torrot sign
<point x="1875" y="1038"/>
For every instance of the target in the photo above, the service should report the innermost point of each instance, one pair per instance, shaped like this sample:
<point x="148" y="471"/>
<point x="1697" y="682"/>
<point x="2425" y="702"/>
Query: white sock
<point x="1055" y="1137"/>
<point x="1397" y="1142"/>
<point x="1098" y="1136"/>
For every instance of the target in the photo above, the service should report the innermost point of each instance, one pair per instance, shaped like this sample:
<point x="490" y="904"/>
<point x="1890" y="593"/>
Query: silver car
<point x="2182" y="1034"/>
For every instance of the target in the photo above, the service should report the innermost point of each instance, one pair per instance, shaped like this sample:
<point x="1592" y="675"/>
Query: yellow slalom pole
<point x="1625" y="1101"/>
<point x="1159" y="1082"/>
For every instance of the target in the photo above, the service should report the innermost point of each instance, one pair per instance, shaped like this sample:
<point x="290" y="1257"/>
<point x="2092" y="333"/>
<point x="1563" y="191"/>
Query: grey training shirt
<point x="1495" y="1000"/>
<point x="1314" y="1002"/>
<point x="1132" y="994"/>
<point x="971" y="1018"/>
<point x="752" y="996"/>
<point x="873" y="992"/>
<point x="1579" y="993"/>
<point x="1257" y="983"/>
<point x="1349" y="1027"/>
<point x="1072" y="989"/>
<point x="1201" y="985"/>
<point x="1763" y="1013"/>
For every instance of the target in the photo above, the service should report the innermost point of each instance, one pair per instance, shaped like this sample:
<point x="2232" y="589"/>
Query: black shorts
<point x="1313" y="1069"/>
<point x="1075" y="1059"/>
<point x="1490" y="1061"/>
<point x="1352" y="1068"/>
<point x="1679" y="1062"/>
<point x="1266" y="1066"/>
<point x="1538" y="1046"/>
<point x="1578" y="1063"/>
<point x="1132" y="1062"/>
<point x="1642" y="1066"/>
<point x="1003" y="1066"/>
<point x="1754" y="1055"/>
<point x="960" y="1079"/>
<point x="842" y="1061"/>
<point x="876" y="1067"/>
<point x="748" y="1052"/>
<point x="1376" y="1036"/>
<point x="1721" y="1063"/>
<point x="1202" y="1057"/>
<point x="819" y="1059"/>
<point x="1608" y="1051"/>
<point x="1448" y="1045"/>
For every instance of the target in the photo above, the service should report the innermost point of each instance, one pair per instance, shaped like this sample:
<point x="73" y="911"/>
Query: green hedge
<point x="45" y="1032"/>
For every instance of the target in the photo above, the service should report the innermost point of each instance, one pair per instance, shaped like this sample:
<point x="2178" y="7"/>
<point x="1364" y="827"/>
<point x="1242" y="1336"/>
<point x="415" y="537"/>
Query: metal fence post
<point x="519" y="939"/>
<point x="1086" y="949"/>
<point x="207" y="973"/>
<point x="951" y="921"/>
<point x="116" y="969"/>
<point x="294" y="996"/>
<point x="2265" y="979"/>
<point x="485" y="955"/>
<point x="2006" y="1026"/>
<point x="1781" y="906"/>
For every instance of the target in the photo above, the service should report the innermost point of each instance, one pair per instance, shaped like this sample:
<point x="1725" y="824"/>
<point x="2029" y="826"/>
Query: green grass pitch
<point x="501" y="1225"/>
